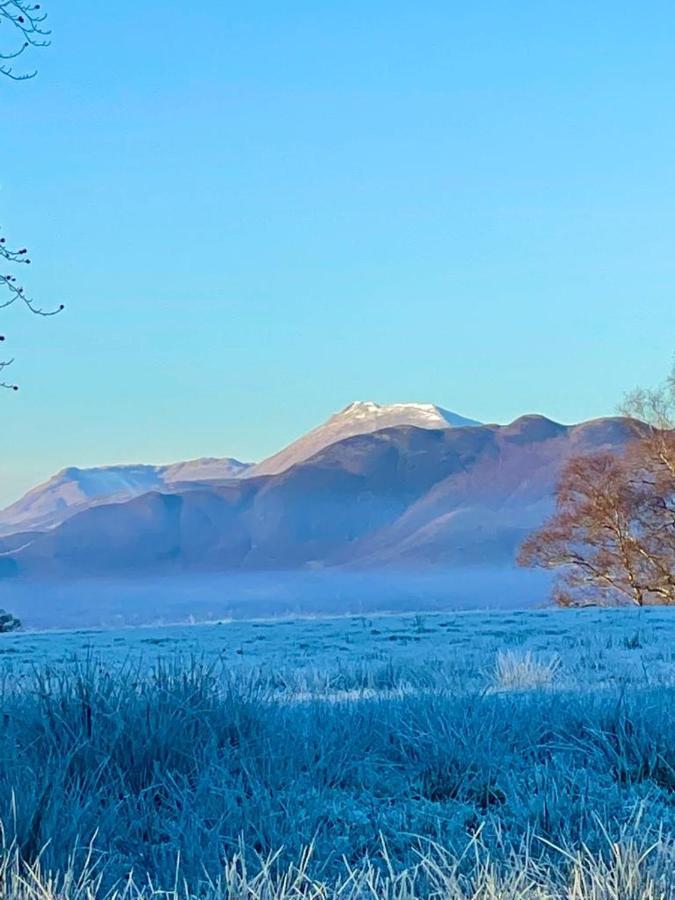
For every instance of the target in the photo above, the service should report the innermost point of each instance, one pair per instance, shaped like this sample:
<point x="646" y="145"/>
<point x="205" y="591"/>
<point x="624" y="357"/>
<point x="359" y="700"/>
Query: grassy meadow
<point x="459" y="755"/>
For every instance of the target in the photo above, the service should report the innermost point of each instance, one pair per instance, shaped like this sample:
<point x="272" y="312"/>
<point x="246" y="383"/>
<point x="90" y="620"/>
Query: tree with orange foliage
<point x="612" y="535"/>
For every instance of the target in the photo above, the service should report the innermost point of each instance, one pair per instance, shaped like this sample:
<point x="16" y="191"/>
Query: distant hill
<point x="72" y="490"/>
<point x="398" y="497"/>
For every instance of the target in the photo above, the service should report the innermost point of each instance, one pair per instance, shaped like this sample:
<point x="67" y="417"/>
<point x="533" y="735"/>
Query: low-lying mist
<point x="181" y="598"/>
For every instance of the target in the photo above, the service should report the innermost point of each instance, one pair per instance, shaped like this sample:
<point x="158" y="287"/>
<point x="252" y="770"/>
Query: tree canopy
<point x="611" y="538"/>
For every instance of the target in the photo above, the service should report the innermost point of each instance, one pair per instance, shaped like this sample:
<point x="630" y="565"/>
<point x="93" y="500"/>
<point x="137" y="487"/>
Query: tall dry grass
<point x="189" y="780"/>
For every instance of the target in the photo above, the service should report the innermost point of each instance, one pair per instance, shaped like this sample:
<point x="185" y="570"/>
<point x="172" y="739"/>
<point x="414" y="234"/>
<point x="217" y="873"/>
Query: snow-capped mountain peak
<point x="425" y="415"/>
<point x="359" y="417"/>
<point x="74" y="489"/>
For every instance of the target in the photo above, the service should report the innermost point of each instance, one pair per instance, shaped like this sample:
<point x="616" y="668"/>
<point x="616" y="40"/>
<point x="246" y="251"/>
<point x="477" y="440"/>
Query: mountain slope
<point x="361" y="417"/>
<point x="401" y="496"/>
<point x="72" y="490"/>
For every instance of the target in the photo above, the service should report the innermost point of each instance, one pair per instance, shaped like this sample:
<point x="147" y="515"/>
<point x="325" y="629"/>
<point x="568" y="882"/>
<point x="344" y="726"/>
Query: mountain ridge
<point x="359" y="417"/>
<point x="398" y="497"/>
<point x="73" y="489"/>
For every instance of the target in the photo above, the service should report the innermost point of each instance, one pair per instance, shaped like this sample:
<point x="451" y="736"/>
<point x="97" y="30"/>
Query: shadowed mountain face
<point x="402" y="496"/>
<point x="362" y="417"/>
<point x="72" y="490"/>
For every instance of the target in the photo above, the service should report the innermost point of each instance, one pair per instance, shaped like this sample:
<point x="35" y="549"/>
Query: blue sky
<point x="261" y="211"/>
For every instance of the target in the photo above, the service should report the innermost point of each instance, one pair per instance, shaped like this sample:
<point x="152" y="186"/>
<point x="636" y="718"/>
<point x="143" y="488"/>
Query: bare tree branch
<point x="3" y="384"/>
<point x="27" y="23"/>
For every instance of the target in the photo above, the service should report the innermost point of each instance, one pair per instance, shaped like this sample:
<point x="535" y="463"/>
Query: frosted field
<point x="577" y="648"/>
<point x="454" y="756"/>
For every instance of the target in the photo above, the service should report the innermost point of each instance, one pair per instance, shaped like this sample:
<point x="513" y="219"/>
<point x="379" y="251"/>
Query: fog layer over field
<point x="100" y="602"/>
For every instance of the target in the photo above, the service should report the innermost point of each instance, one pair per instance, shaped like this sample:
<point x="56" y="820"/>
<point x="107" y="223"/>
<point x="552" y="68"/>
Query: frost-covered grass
<point x="599" y="648"/>
<point x="522" y="670"/>
<point x="456" y="756"/>
<point x="626" y="872"/>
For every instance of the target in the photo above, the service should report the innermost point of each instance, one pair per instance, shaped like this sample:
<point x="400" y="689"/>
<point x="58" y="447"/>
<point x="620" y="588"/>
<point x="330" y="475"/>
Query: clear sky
<point x="258" y="212"/>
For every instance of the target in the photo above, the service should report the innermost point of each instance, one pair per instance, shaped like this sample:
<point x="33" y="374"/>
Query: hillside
<point x="75" y="489"/>
<point x="398" y="497"/>
<point x="361" y="417"/>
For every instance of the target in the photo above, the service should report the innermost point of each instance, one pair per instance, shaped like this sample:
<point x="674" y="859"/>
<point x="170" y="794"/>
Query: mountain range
<point x="437" y="491"/>
<point x="73" y="489"/>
